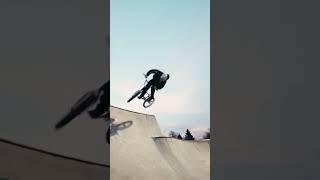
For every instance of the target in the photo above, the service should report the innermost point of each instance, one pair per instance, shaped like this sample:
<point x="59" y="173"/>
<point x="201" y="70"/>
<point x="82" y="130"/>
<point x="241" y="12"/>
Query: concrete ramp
<point x="140" y="151"/>
<point x="19" y="162"/>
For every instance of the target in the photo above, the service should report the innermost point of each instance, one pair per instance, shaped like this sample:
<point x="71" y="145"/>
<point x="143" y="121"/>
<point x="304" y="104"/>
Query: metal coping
<point x="133" y="111"/>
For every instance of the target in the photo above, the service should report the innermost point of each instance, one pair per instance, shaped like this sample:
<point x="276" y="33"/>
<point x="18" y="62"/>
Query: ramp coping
<point x="132" y="111"/>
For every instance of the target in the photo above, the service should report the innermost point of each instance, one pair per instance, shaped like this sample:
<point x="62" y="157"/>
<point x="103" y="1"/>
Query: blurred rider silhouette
<point x="104" y="101"/>
<point x="158" y="81"/>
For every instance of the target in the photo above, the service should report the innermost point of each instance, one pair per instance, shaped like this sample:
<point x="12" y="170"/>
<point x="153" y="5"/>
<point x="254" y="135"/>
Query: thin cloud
<point x="199" y="132"/>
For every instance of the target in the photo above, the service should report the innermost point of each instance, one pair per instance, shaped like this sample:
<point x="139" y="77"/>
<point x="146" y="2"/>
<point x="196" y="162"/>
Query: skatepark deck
<point x="139" y="150"/>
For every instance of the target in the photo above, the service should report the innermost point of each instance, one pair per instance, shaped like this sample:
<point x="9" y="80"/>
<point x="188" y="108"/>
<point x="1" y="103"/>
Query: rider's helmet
<point x="164" y="77"/>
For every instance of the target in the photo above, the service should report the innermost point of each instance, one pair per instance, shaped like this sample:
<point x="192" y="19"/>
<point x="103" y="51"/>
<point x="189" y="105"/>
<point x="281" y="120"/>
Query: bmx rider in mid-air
<point x="158" y="81"/>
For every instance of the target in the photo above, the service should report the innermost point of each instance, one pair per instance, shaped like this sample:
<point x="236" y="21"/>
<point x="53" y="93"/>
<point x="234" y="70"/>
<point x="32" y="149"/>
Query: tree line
<point x="188" y="135"/>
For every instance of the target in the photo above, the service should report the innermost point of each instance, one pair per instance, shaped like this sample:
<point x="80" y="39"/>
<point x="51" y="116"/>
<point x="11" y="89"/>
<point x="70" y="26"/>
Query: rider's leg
<point x="153" y="90"/>
<point x="97" y="112"/>
<point x="101" y="107"/>
<point x="145" y="89"/>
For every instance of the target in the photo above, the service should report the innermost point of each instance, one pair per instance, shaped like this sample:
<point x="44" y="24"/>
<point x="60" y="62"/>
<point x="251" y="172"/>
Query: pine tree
<point x="173" y="134"/>
<point x="188" y="135"/>
<point x="179" y="136"/>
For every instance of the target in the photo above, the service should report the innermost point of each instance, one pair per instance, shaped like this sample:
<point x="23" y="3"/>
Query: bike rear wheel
<point x="148" y="102"/>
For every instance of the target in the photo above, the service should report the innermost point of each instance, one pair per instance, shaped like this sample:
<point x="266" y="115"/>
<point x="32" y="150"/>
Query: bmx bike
<point x="85" y="102"/>
<point x="81" y="105"/>
<point x="148" y="100"/>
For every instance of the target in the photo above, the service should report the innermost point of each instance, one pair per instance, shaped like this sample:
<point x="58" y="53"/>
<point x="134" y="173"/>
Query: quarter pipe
<point x="140" y="151"/>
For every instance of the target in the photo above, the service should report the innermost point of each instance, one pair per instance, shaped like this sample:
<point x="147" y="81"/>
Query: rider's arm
<point x="152" y="71"/>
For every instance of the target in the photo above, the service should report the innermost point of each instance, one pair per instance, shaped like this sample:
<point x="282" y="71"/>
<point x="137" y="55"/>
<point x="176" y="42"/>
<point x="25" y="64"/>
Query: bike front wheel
<point x="135" y="95"/>
<point x="81" y="105"/>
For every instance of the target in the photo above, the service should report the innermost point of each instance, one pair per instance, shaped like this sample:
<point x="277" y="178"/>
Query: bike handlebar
<point x="146" y="77"/>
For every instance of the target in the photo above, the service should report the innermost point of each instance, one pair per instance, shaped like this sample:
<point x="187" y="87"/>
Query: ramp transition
<point x="140" y="151"/>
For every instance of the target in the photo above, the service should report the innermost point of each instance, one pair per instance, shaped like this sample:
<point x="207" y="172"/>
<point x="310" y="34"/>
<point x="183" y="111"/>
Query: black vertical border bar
<point x="108" y="69"/>
<point x="212" y="94"/>
<point x="265" y="55"/>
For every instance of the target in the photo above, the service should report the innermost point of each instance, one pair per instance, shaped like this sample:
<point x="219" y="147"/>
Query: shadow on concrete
<point x="114" y="128"/>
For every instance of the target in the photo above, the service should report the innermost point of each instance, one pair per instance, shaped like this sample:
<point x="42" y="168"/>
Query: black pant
<point x="104" y="102"/>
<point x="152" y="83"/>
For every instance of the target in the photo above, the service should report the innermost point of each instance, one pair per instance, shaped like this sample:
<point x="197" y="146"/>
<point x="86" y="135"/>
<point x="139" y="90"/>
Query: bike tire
<point x="134" y="95"/>
<point x="87" y="100"/>
<point x="65" y="120"/>
<point x="148" y="101"/>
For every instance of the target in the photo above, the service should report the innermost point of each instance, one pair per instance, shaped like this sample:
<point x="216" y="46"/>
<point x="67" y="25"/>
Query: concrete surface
<point x="19" y="162"/>
<point x="140" y="151"/>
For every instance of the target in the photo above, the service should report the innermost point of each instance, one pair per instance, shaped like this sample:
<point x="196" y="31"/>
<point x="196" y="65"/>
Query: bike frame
<point x="146" y="97"/>
<point x="148" y="94"/>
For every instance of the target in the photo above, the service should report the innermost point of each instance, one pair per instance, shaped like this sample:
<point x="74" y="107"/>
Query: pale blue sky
<point x="169" y="35"/>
